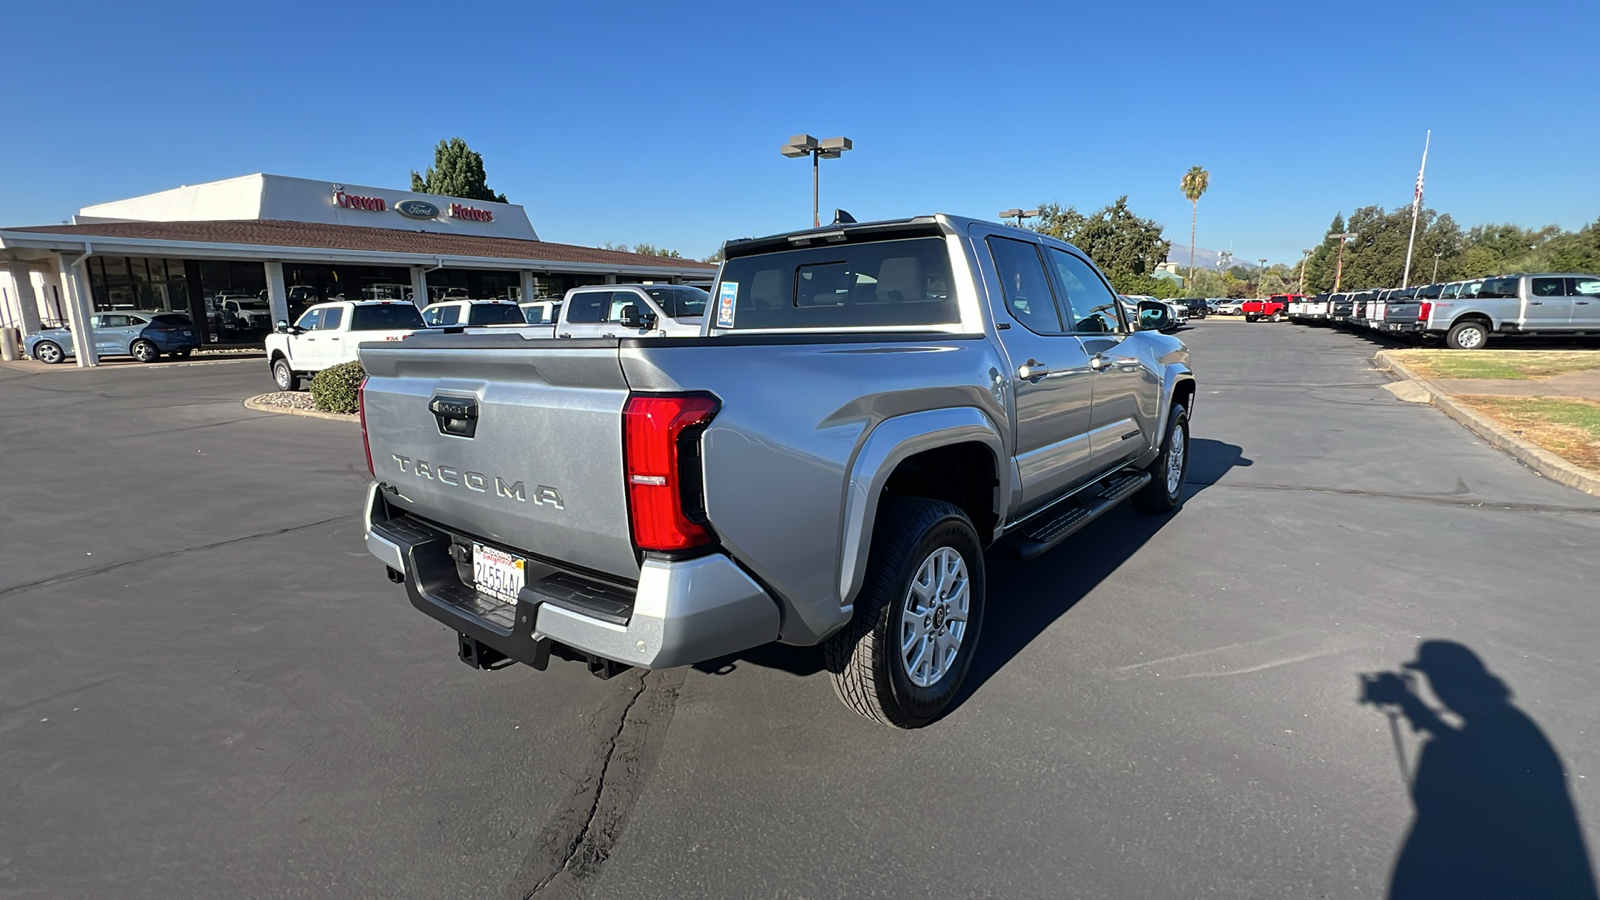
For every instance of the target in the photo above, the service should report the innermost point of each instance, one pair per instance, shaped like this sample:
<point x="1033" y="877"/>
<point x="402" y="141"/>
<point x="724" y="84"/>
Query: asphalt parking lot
<point x="207" y="687"/>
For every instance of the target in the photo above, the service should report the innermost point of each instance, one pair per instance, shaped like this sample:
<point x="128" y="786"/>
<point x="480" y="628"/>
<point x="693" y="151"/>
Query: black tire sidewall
<point x="1453" y="338"/>
<point x="1178" y="420"/>
<point x="919" y="705"/>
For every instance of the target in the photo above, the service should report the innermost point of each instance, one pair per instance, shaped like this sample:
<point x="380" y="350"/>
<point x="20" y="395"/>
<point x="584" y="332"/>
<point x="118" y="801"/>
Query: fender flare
<point x="1175" y="375"/>
<point x="885" y="447"/>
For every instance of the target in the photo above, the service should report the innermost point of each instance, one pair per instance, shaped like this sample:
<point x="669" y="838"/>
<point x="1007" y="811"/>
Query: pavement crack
<point x="110" y="567"/>
<point x="581" y="835"/>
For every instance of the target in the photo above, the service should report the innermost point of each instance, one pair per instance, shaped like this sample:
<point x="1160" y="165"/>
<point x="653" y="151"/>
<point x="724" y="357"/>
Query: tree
<point x="1195" y="181"/>
<point x="1207" y="283"/>
<point x="1119" y="241"/>
<point x="457" y="171"/>
<point x="652" y="250"/>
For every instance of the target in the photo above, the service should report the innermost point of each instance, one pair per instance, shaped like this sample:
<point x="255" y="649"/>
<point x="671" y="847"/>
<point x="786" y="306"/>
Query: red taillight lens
<point x="1423" y="311"/>
<point x="361" y="408"/>
<point x="660" y="464"/>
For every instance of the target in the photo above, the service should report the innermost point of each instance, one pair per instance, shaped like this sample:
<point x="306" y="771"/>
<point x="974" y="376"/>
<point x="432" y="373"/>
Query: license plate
<point x="496" y="573"/>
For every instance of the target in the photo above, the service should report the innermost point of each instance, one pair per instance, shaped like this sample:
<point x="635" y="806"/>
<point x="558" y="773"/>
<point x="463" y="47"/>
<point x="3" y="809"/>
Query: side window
<point x="620" y="300"/>
<point x="1585" y="287"/>
<point x="1498" y="288"/>
<point x="1091" y="305"/>
<point x="113" y="321"/>
<point x="1548" y="287"/>
<point x="311" y="321"/>
<point x="331" y="318"/>
<point x="587" y="307"/>
<point x="1025" y="285"/>
<point x="444" y="314"/>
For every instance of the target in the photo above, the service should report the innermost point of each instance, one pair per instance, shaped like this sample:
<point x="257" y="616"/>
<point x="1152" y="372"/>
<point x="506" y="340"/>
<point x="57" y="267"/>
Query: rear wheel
<point x="1249" y="317"/>
<point x="181" y="354"/>
<point x="1164" y="493"/>
<point x="144" y="351"/>
<point x="902" y="658"/>
<point x="48" y="352"/>
<point x="283" y="376"/>
<point x="1468" y="334"/>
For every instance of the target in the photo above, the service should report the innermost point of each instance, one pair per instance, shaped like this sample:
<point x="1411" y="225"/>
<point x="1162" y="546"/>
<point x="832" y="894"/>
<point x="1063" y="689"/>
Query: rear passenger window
<point x="588" y="307"/>
<point x="495" y="314"/>
<point x="1024" y="284"/>
<point x="1549" y="287"/>
<point x="439" y="316"/>
<point x="331" y="318"/>
<point x="1089" y="302"/>
<point x="1586" y="287"/>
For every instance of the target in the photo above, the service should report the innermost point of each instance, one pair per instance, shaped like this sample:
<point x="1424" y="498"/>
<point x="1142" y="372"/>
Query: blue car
<point x="141" y="335"/>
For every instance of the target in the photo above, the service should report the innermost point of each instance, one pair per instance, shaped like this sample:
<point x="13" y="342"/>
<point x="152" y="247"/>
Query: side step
<point x="1038" y="538"/>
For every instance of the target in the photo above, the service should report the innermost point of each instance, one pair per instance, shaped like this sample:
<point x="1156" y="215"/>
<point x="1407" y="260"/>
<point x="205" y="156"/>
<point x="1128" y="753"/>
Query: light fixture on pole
<point x="806" y="145"/>
<point x="1019" y="214"/>
<point x="1338" y="273"/>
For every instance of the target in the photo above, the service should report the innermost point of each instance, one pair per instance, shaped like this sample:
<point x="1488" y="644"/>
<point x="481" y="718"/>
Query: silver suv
<point x="1518" y="304"/>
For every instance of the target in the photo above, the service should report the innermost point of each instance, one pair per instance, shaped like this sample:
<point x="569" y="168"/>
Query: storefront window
<point x="308" y="284"/>
<point x="554" y="286"/>
<point x="137" y="282"/>
<point x="473" y="284"/>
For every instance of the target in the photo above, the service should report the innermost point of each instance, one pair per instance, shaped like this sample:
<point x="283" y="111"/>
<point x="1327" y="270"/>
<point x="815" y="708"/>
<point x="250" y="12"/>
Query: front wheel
<point x="283" y="376"/>
<point x="1469" y="334"/>
<point x="144" y="351"/>
<point x="48" y="352"/>
<point x="1164" y="493"/>
<point x="902" y="658"/>
<point x="1249" y="317"/>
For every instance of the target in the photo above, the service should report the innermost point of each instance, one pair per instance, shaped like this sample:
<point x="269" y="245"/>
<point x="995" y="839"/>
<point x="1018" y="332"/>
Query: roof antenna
<point x="840" y="217"/>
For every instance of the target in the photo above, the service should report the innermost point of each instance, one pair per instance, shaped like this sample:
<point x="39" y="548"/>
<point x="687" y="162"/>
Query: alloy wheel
<point x="933" y="619"/>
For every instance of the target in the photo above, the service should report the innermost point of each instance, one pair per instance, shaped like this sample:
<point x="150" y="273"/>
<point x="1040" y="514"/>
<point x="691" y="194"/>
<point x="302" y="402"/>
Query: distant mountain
<point x="1203" y="258"/>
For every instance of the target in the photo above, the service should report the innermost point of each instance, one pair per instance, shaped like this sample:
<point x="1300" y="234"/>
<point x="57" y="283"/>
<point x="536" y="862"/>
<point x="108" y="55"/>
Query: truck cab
<point x="328" y="334"/>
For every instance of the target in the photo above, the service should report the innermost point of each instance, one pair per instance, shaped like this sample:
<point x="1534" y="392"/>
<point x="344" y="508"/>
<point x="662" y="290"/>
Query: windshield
<point x="385" y="317"/>
<point x="679" y="302"/>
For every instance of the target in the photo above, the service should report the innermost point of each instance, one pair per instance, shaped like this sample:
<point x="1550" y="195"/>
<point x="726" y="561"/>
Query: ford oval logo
<point x="417" y="209"/>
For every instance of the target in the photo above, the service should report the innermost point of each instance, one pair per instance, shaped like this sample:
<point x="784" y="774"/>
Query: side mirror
<point x="282" y="327"/>
<point x="634" y="317"/>
<point x="1154" y="316"/>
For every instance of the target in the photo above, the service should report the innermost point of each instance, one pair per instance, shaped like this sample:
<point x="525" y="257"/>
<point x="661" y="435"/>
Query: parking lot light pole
<point x="1262" y="275"/>
<point x="1338" y="272"/>
<point x="1305" y="255"/>
<point x="806" y="145"/>
<point x="1436" y="264"/>
<point x="1019" y="214"/>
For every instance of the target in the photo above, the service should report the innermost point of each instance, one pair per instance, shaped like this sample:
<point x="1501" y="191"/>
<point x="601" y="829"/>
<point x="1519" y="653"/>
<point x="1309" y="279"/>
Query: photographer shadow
<point x="1494" y="817"/>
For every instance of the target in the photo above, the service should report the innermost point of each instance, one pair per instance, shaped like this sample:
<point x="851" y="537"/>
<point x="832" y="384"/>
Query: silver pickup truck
<point x="1555" y="304"/>
<point x="867" y="409"/>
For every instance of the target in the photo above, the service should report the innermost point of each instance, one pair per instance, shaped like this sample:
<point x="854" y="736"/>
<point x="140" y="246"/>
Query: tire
<point x="49" y="353"/>
<point x="283" y="376"/>
<point x="144" y="351"/>
<point x="1467" y="334"/>
<point x="181" y="354"/>
<point x="1249" y="317"/>
<point x="914" y="542"/>
<point x="1164" y="493"/>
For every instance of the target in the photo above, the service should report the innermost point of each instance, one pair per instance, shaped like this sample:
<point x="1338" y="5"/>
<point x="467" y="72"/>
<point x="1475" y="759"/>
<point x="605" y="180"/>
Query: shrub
<point x="334" y="389"/>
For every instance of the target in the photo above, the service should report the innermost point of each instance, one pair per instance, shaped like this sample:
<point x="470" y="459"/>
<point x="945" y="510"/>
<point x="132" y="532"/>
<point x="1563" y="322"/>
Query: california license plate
<point x="497" y="573"/>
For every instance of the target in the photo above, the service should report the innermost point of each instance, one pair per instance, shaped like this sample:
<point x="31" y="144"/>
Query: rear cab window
<point x="679" y="302"/>
<point x="495" y="314"/>
<point x="872" y="284"/>
<point x="441" y="315"/>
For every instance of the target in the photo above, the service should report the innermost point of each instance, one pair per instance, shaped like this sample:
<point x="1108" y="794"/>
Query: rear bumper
<point x="681" y="612"/>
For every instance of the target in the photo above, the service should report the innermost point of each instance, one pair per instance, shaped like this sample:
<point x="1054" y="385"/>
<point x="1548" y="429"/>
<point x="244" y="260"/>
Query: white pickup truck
<point x="327" y="334"/>
<point x="625" y="310"/>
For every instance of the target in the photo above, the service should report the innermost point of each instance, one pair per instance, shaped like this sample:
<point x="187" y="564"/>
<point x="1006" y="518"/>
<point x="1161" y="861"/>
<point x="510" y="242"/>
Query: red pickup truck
<point x="1273" y="308"/>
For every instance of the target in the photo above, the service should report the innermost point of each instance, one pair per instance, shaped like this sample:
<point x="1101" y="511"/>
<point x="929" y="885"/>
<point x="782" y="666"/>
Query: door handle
<point x="1535" y="302"/>
<point x="1099" y="363"/>
<point x="1032" y="369"/>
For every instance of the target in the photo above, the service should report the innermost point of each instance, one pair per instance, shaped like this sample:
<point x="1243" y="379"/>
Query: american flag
<point x="1416" y="198"/>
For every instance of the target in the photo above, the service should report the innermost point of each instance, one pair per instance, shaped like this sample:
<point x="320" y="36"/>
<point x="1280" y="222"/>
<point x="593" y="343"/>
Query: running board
<point x="1038" y="538"/>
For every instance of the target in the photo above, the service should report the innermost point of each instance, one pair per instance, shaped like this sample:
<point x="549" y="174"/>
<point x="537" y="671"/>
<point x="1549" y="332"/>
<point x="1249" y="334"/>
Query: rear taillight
<point x="361" y="408"/>
<point x="661" y="459"/>
<point x="1423" y="311"/>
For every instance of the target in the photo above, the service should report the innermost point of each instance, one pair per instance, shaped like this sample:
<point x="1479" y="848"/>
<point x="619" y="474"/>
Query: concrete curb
<point x="256" y="404"/>
<point x="1534" y="457"/>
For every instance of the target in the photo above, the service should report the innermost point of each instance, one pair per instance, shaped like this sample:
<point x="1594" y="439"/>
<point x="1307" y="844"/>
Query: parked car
<point x="473" y="312"/>
<point x="870" y="407"/>
<point x="1230" y="307"/>
<point x="1550" y="304"/>
<point x="1339" y="307"/>
<point x="243" y="312"/>
<point x="143" y="335"/>
<point x="329" y="334"/>
<point x="1272" y="308"/>
<point x="1197" y="307"/>
<point x="1405" y="315"/>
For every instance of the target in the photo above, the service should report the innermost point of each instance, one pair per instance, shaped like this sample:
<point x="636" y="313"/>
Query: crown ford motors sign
<point x="417" y="209"/>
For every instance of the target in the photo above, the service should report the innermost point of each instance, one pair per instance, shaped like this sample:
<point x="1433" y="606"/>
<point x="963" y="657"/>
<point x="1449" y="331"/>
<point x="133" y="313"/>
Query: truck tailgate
<point x="535" y="461"/>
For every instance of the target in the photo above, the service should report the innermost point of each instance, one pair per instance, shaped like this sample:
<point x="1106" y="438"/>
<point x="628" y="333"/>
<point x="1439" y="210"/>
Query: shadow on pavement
<point x="1494" y="817"/>
<point x="1024" y="598"/>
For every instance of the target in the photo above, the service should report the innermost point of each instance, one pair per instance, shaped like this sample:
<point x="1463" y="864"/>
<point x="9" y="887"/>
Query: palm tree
<point x="1195" y="181"/>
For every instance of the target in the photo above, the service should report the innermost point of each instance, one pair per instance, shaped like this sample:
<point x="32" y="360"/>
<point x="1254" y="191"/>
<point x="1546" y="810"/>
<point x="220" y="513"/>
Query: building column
<point x="277" y="294"/>
<point x="419" y="286"/>
<point x="530" y="290"/>
<point x="27" y="300"/>
<point x="611" y="279"/>
<point x="75" y="291"/>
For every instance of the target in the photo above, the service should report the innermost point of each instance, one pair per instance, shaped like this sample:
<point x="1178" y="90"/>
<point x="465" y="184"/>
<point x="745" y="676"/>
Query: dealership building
<point x="237" y="254"/>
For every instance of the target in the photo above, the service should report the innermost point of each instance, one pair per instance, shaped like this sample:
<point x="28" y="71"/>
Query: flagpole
<point x="1416" y="206"/>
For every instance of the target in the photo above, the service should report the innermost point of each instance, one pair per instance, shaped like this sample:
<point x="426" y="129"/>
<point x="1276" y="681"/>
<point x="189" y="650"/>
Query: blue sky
<point x="661" y="123"/>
